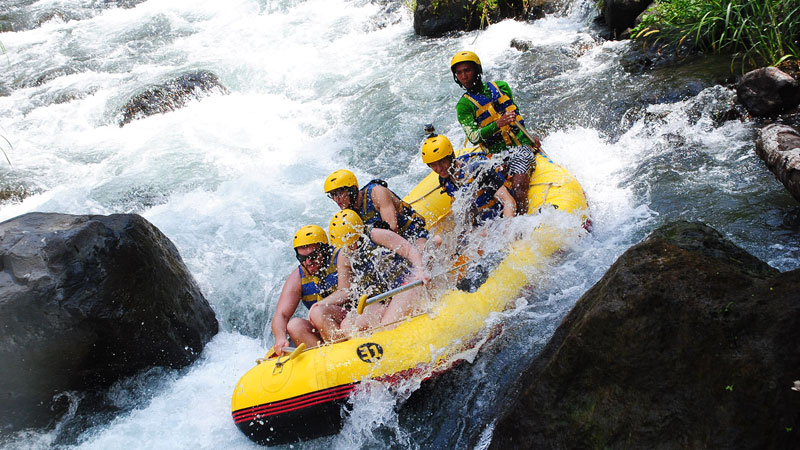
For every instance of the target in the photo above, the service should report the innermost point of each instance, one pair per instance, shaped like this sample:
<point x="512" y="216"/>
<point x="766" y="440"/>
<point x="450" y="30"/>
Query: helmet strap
<point x="352" y="192"/>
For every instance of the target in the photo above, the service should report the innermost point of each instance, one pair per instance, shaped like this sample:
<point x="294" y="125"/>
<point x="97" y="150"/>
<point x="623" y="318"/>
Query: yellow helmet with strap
<point x="435" y="148"/>
<point x="346" y="228"/>
<point x="340" y="178"/>
<point x="463" y="56"/>
<point x="309" y="234"/>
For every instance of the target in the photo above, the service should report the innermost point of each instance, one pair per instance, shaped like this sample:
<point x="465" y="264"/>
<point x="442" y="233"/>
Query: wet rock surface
<point x="171" y="95"/>
<point x="84" y="302"/>
<point x="779" y="147"/>
<point x="687" y="342"/>
<point x="621" y="14"/>
<point x="768" y="91"/>
<point x="435" y="18"/>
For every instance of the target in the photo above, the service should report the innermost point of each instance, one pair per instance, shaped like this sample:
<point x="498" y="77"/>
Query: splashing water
<point x="320" y="85"/>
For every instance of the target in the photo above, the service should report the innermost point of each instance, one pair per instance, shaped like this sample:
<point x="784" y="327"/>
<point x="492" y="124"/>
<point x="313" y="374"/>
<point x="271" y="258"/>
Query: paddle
<point x="518" y="125"/>
<point x="528" y="135"/>
<point x="364" y="301"/>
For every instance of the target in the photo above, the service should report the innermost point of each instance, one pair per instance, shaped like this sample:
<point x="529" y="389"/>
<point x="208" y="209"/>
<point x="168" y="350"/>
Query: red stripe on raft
<point x="299" y="399"/>
<point x="303" y="401"/>
<point x="258" y="414"/>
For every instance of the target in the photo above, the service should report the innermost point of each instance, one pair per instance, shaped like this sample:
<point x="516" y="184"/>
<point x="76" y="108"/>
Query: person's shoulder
<point x="463" y="101"/>
<point x="295" y="275"/>
<point x="502" y="85"/>
<point x="474" y="156"/>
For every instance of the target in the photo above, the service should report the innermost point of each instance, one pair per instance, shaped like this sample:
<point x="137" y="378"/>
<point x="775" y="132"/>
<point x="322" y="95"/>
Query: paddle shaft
<point x="388" y="294"/>
<point x="525" y="132"/>
<point x="364" y="301"/>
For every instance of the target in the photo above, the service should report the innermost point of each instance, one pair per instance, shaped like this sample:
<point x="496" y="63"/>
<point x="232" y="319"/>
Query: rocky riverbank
<point x="687" y="342"/>
<point x="86" y="301"/>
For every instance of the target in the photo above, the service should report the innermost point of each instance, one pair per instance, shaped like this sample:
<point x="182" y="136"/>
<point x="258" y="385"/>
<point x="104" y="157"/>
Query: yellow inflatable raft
<point x="300" y="397"/>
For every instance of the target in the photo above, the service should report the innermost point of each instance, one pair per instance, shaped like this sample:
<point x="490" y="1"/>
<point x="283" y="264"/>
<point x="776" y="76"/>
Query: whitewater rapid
<point x="315" y="86"/>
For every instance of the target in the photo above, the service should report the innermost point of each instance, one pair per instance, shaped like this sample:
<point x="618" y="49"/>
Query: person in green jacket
<point x="490" y="118"/>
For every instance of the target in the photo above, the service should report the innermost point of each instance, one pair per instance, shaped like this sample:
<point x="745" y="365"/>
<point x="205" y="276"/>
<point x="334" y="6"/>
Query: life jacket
<point x="377" y="269"/>
<point x="408" y="220"/>
<point x="474" y="169"/>
<point x="490" y="109"/>
<point x="314" y="288"/>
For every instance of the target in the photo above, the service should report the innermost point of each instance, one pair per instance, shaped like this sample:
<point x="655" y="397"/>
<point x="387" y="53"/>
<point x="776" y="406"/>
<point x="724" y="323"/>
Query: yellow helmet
<point x="345" y="228"/>
<point x="340" y="178"/>
<point x="465" y="56"/>
<point x="309" y="234"/>
<point x="435" y="148"/>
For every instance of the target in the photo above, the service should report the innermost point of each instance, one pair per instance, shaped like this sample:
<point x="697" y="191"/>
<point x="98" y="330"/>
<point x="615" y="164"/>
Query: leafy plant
<point x="483" y="8"/>
<point x="762" y="32"/>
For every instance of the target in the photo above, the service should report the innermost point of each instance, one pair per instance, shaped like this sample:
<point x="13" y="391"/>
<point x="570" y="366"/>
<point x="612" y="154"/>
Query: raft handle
<point x="272" y="355"/>
<point x="279" y="364"/>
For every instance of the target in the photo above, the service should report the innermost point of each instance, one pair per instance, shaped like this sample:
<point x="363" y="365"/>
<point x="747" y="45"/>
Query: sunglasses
<point x="337" y="192"/>
<point x="313" y="255"/>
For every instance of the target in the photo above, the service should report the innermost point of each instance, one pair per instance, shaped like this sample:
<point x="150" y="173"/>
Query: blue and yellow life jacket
<point x="410" y="224"/>
<point x="476" y="168"/>
<point x="314" y="288"/>
<point x="490" y="109"/>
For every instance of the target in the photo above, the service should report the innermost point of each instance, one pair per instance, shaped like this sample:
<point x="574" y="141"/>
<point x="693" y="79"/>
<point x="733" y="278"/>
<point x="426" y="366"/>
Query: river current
<point x="319" y="85"/>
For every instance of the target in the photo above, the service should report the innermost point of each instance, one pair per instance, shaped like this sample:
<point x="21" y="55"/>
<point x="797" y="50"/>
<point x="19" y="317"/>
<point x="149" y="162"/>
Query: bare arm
<point x="396" y="243"/>
<point x="509" y="204"/>
<point x="384" y="203"/>
<point x="287" y="305"/>
<point x="337" y="298"/>
<point x="344" y="276"/>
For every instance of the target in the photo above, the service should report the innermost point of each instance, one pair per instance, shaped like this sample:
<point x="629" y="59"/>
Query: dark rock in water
<point x="52" y="74"/>
<point x="432" y="18"/>
<point x="779" y="147"/>
<point x="21" y="15"/>
<point x="172" y="95"/>
<point x="621" y="14"/>
<point x="435" y="17"/>
<point x="768" y="91"/>
<point x="86" y="301"/>
<point x="687" y="342"/>
<point x="13" y="193"/>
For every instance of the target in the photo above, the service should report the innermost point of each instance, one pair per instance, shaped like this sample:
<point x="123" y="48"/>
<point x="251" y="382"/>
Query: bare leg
<point x="326" y="319"/>
<point x="520" y="183"/>
<point x="402" y="305"/>
<point x="301" y="331"/>
<point x="370" y="318"/>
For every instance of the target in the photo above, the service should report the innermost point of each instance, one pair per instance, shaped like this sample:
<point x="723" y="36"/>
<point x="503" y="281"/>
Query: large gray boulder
<point x="86" y="301"/>
<point x="687" y="342"/>
<point x="779" y="147"/>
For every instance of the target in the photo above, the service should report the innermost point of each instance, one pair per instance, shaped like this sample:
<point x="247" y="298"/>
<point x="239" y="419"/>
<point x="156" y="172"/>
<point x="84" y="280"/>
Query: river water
<point x="319" y="85"/>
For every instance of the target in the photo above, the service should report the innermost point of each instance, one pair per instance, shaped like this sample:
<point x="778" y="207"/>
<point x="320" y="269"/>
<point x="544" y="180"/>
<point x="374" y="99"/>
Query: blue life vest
<point x="314" y="288"/>
<point x="377" y="269"/>
<point x="410" y="224"/>
<point x="490" y="109"/>
<point x="475" y="168"/>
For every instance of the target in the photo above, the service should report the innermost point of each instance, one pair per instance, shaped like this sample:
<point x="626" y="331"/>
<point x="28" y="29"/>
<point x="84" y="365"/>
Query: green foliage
<point x="758" y="32"/>
<point x="483" y="8"/>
